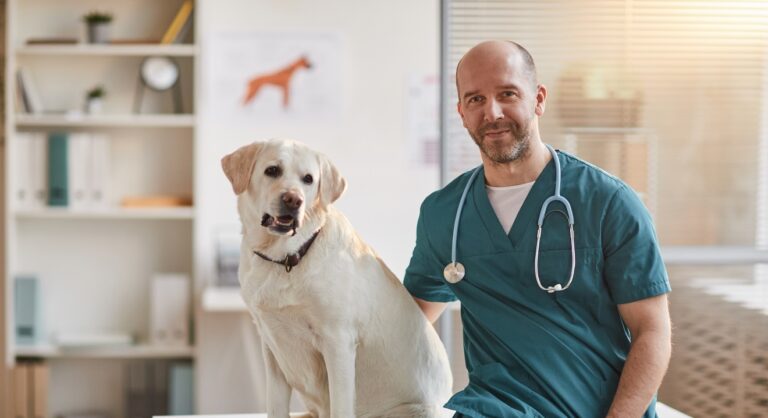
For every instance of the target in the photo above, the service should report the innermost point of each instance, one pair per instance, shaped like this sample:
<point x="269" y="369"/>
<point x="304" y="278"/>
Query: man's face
<point x="498" y="104"/>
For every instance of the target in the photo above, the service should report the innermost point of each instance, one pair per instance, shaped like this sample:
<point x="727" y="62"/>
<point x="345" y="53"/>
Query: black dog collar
<point x="291" y="260"/>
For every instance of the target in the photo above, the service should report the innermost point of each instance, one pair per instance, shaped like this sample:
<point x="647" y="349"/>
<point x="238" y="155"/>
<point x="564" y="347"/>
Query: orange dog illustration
<point x="280" y="78"/>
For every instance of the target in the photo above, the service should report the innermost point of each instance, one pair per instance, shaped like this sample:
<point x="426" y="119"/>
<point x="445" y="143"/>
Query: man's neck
<point x="521" y="171"/>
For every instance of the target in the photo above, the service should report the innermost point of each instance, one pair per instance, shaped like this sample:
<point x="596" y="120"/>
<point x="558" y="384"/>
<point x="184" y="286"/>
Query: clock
<point x="160" y="74"/>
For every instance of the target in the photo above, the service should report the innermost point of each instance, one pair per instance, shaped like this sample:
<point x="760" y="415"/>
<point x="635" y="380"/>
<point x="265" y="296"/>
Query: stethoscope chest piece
<point x="453" y="272"/>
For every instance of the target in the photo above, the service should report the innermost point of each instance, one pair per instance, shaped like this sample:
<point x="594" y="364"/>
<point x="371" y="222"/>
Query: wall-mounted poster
<point x="257" y="78"/>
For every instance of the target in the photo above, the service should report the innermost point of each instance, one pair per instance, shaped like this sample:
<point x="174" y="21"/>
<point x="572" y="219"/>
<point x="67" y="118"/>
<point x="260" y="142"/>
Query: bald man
<point x="566" y="320"/>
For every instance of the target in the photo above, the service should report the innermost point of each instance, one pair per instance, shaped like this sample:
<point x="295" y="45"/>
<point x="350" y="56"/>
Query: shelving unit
<point x="95" y="265"/>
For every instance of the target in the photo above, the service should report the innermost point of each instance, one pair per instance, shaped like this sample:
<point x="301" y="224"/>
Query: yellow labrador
<point x="337" y="326"/>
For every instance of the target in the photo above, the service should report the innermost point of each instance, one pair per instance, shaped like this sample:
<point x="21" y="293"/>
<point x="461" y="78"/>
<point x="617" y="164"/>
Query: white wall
<point x="383" y="43"/>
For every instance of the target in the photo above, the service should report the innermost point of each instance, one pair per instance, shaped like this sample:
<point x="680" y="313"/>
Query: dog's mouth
<point x="282" y="224"/>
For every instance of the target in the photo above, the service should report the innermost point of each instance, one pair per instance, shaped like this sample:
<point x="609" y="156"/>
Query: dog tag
<point x="453" y="272"/>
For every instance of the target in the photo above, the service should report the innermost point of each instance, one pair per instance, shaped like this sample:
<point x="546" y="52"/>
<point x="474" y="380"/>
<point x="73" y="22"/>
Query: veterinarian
<point x="565" y="325"/>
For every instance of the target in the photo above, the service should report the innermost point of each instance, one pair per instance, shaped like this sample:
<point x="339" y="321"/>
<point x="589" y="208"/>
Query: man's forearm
<point x="642" y="374"/>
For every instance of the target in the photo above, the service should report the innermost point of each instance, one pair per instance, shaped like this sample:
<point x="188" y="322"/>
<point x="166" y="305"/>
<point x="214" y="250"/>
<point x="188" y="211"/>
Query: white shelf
<point x="115" y="213"/>
<point x="127" y="120"/>
<point x="713" y="255"/>
<point x="113" y="352"/>
<point x="178" y="50"/>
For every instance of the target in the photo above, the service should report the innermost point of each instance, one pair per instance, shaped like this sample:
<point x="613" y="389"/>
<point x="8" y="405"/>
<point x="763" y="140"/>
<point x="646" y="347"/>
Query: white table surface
<point x="662" y="410"/>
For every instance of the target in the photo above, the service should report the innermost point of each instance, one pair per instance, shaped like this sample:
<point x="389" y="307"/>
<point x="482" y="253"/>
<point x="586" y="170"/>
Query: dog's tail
<point x="411" y="410"/>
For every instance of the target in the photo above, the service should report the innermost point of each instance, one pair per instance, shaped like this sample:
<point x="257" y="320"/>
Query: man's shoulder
<point x="448" y="196"/>
<point x="584" y="172"/>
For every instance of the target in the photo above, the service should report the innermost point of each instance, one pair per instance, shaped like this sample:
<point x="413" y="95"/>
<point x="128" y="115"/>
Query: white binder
<point x="170" y="310"/>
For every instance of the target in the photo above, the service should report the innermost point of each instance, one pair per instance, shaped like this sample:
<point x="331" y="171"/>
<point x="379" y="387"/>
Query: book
<point x="184" y="13"/>
<point x="30" y="92"/>
<point x="181" y="389"/>
<point x="58" y="182"/>
<point x="52" y="41"/>
<point x="155" y="201"/>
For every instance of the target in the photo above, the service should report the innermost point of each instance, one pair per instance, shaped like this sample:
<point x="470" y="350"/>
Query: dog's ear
<point x="238" y="166"/>
<point x="332" y="184"/>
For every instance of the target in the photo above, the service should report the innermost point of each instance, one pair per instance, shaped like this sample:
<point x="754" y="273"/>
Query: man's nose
<point x="493" y="111"/>
<point x="292" y="200"/>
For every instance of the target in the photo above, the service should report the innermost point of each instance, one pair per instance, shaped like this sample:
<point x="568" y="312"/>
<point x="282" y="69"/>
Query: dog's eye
<point x="273" y="171"/>
<point x="308" y="179"/>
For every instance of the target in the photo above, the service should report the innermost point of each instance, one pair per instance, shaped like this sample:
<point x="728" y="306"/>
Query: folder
<point x="181" y="389"/>
<point x="57" y="169"/>
<point x="39" y="389"/>
<point x="21" y="396"/>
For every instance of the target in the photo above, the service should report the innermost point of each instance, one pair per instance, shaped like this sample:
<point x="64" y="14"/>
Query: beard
<point x="502" y="153"/>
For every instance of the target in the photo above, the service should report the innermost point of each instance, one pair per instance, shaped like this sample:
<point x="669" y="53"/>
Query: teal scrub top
<point x="530" y="353"/>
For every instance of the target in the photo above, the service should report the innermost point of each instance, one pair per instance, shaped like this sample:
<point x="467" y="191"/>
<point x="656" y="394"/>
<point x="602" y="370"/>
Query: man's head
<point x="500" y="99"/>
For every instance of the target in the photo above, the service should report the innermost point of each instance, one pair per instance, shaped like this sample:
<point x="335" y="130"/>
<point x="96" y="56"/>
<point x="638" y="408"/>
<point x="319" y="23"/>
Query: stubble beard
<point x="504" y="153"/>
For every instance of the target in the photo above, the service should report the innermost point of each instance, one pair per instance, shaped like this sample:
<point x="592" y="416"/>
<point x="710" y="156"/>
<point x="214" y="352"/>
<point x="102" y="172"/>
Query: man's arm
<point x="648" y="321"/>
<point x="432" y="310"/>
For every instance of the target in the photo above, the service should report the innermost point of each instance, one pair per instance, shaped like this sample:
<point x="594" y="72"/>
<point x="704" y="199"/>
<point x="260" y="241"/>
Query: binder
<point x="77" y="166"/>
<point x="26" y="304"/>
<point x="98" y="171"/>
<point x="23" y="193"/>
<point x="182" y="389"/>
<point x="170" y="310"/>
<point x="38" y="168"/>
<point x="57" y="169"/>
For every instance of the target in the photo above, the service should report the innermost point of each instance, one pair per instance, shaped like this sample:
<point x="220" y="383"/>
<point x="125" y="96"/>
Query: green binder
<point x="57" y="169"/>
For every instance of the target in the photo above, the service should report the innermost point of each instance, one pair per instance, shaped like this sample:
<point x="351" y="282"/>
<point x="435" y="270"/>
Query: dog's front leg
<point x="278" y="390"/>
<point x="339" y="356"/>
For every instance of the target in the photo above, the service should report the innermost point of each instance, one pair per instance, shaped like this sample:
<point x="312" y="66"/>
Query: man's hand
<point x="648" y="321"/>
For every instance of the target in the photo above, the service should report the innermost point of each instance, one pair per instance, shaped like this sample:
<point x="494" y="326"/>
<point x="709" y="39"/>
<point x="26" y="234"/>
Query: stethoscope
<point x="454" y="271"/>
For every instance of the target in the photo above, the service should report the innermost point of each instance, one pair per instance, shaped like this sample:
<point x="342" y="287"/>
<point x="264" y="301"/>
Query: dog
<point x="336" y="324"/>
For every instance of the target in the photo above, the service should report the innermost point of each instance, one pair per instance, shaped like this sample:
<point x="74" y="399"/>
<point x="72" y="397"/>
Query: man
<point x="536" y="345"/>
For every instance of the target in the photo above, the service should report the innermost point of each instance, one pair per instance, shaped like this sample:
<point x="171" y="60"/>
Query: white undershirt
<point x="507" y="201"/>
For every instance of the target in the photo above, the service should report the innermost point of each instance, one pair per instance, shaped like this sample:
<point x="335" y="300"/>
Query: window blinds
<point x="668" y="95"/>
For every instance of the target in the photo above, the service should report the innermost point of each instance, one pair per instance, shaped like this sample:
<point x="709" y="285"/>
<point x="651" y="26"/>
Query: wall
<point x="383" y="43"/>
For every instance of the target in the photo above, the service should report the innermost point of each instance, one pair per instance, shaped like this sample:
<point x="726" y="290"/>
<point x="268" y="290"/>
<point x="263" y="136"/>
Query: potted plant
<point x="98" y="26"/>
<point x="94" y="100"/>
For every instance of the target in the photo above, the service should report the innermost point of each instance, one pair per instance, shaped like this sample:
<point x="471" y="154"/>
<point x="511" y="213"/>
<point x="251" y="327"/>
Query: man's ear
<point x="332" y="184"/>
<point x="238" y="166"/>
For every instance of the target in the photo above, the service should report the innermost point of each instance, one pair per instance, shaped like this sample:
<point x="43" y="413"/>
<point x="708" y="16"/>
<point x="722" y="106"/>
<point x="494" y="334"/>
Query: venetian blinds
<point x="669" y="95"/>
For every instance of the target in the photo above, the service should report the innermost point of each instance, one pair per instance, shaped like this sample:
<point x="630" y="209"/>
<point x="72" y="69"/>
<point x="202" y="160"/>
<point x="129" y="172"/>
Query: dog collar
<point x="291" y="260"/>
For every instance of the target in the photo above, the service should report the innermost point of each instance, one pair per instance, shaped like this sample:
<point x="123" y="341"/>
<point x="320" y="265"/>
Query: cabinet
<point x="95" y="264"/>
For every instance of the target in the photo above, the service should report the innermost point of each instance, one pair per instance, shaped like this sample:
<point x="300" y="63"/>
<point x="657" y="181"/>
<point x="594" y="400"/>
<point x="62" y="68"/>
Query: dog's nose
<point x="292" y="200"/>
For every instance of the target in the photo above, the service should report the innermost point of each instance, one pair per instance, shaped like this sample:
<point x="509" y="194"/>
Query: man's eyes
<point x="508" y="93"/>
<point x="475" y="99"/>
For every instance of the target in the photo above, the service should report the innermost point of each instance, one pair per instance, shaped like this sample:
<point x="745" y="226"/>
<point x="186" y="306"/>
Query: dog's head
<point x="281" y="182"/>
